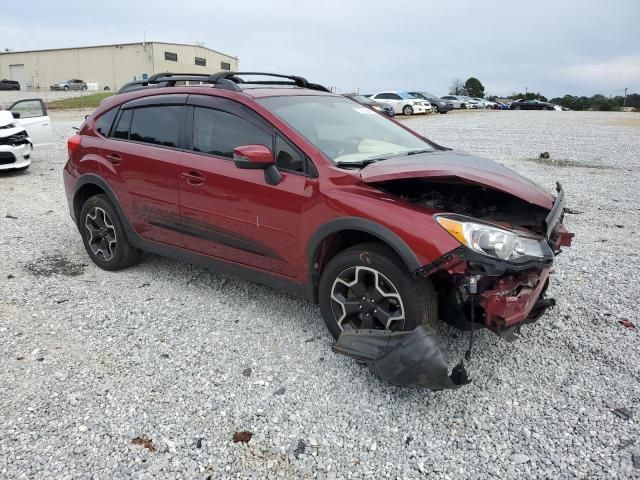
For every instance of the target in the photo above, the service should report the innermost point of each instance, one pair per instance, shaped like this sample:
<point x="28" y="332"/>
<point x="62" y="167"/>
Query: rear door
<point x="32" y="115"/>
<point x="140" y="162"/>
<point x="233" y="213"/>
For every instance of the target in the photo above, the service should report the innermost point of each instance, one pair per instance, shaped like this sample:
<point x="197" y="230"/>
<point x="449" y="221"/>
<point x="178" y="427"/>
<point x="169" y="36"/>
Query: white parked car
<point x="458" y="100"/>
<point x="403" y="102"/>
<point x="482" y="103"/>
<point x="24" y="125"/>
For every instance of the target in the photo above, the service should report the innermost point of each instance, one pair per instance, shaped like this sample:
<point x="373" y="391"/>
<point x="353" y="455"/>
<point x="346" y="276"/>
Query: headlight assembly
<point x="494" y="241"/>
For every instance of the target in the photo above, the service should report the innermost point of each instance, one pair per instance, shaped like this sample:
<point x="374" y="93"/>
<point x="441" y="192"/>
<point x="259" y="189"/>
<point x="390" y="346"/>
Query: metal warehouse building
<point x="110" y="66"/>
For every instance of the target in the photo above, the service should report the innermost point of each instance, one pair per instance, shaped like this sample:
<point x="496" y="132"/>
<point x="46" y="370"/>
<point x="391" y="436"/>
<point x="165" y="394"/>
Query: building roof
<point x="117" y="45"/>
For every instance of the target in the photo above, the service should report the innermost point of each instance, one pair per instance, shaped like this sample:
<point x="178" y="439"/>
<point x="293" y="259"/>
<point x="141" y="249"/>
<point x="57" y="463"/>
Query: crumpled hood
<point x="455" y="164"/>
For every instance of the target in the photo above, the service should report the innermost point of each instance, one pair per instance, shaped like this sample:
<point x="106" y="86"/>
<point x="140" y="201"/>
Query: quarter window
<point x="103" y="124"/>
<point x="121" y="130"/>
<point x="156" y="125"/>
<point x="288" y="158"/>
<point x="217" y="133"/>
<point x="172" y="57"/>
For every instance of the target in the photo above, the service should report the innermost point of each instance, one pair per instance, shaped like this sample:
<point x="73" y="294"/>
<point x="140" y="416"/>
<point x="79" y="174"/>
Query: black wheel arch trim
<point x="92" y="179"/>
<point x="363" y="225"/>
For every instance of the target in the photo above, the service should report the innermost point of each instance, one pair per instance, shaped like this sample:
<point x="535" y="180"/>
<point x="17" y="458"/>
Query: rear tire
<point x="66" y="88"/>
<point x="463" y="106"/>
<point x="377" y="275"/>
<point x="104" y="236"/>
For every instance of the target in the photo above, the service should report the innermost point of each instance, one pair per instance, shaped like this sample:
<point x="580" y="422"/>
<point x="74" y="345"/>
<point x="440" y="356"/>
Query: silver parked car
<point x="73" y="84"/>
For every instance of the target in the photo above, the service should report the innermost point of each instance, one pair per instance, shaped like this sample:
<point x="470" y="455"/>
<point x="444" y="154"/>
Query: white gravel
<point x="186" y="357"/>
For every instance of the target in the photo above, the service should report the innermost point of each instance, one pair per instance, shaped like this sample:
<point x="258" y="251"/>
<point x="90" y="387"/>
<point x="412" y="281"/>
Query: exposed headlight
<point x="494" y="241"/>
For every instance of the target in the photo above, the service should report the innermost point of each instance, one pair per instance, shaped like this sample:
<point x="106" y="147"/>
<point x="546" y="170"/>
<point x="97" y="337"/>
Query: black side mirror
<point x="15" y="114"/>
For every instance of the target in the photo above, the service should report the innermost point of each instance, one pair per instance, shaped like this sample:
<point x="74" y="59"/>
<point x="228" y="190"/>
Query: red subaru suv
<point x="278" y="180"/>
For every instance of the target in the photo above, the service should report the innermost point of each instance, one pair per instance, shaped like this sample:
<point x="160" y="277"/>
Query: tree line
<point x="474" y="88"/>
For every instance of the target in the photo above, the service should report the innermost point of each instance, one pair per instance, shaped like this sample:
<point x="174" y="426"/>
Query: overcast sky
<point x="551" y="46"/>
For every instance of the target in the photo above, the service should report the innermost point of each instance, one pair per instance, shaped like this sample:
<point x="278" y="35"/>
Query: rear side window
<point x="103" y="124"/>
<point x="156" y="125"/>
<point x="217" y="133"/>
<point x="121" y="130"/>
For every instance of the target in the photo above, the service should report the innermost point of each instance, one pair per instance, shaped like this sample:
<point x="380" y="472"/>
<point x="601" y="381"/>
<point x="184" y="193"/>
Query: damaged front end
<point x="496" y="279"/>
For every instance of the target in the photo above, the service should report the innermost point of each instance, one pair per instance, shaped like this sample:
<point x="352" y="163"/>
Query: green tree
<point x="474" y="87"/>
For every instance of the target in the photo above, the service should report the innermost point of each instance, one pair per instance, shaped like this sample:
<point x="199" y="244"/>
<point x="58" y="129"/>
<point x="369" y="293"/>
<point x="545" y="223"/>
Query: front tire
<point x="435" y="109"/>
<point x="407" y="110"/>
<point x="103" y="235"/>
<point x="65" y="88"/>
<point x="369" y="287"/>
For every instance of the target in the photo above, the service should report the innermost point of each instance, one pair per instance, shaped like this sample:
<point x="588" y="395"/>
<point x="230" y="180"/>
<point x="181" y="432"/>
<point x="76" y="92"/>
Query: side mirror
<point x="253" y="157"/>
<point x="257" y="157"/>
<point x="15" y="114"/>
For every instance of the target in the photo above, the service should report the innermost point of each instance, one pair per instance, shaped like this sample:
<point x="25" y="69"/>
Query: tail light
<point x="74" y="144"/>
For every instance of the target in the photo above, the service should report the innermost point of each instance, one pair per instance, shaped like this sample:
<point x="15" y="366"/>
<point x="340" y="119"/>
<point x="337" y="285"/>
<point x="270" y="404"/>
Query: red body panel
<point x="234" y="215"/>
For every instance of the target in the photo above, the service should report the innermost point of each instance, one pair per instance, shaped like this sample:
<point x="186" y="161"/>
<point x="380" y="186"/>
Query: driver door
<point x="32" y="115"/>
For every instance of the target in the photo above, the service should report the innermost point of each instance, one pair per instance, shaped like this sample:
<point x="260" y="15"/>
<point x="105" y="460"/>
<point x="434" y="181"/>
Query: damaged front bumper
<point x="413" y="358"/>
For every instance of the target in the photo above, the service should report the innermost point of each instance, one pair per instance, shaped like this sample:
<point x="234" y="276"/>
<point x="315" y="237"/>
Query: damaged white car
<point x="23" y="125"/>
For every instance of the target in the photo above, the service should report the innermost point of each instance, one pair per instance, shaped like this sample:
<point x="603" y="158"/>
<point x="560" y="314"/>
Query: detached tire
<point x="369" y="286"/>
<point x="103" y="235"/>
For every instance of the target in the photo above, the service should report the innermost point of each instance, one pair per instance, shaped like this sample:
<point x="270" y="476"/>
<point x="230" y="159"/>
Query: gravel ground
<point x="180" y="358"/>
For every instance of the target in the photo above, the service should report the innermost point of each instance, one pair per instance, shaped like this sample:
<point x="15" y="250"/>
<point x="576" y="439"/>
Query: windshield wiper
<point x="360" y="163"/>
<point x="416" y="152"/>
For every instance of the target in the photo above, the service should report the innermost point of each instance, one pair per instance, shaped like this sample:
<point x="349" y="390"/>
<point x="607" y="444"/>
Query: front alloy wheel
<point x="362" y="297"/>
<point x="368" y="286"/>
<point x="407" y="110"/>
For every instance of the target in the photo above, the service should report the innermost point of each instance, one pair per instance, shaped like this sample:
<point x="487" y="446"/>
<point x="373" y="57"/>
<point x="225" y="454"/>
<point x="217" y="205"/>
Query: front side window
<point x="158" y="125"/>
<point x="28" y="108"/>
<point x="217" y="133"/>
<point x="344" y="131"/>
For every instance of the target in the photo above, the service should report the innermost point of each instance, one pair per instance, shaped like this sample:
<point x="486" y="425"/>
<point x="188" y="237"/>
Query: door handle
<point x="193" y="177"/>
<point x="114" y="158"/>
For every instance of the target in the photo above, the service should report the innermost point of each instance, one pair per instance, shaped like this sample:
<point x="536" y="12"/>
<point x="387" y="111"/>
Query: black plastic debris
<point x="623" y="413"/>
<point x="300" y="449"/>
<point x="413" y="358"/>
<point x="246" y="372"/>
<point x="545" y="155"/>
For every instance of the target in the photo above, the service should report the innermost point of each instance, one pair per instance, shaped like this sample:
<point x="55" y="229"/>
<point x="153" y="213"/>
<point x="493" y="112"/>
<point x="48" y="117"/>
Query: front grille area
<point x="20" y="138"/>
<point x="6" y="158"/>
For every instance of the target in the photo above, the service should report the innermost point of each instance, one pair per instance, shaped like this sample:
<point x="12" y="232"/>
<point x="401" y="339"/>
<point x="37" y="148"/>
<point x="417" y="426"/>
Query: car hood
<point x="450" y="164"/>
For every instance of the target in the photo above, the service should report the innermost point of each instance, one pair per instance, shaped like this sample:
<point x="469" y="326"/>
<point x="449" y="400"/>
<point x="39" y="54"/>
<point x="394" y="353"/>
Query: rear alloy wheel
<point x="407" y="110"/>
<point x="65" y="88"/>
<point x="517" y="107"/>
<point x="369" y="287"/>
<point x="104" y="237"/>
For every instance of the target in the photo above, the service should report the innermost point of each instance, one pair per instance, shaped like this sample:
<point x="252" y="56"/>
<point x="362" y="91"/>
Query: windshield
<point x="345" y="132"/>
